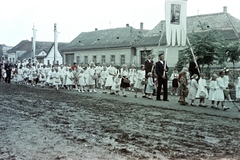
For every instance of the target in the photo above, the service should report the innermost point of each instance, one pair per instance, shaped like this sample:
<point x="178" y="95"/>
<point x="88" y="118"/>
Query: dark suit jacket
<point x="192" y="69"/>
<point x="148" y="66"/>
<point x="7" y="66"/>
<point x="160" y="70"/>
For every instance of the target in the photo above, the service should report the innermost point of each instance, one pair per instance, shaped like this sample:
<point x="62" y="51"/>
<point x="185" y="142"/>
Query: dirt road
<point x="47" y="124"/>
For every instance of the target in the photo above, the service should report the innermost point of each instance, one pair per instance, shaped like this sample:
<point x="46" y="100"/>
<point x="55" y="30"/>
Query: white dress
<point x="56" y="78"/>
<point x="150" y="85"/>
<point x="140" y="76"/>
<point x="238" y="89"/>
<point x="81" y="79"/>
<point x="212" y="90"/>
<point x="103" y="77"/>
<point x="20" y="75"/>
<point x="193" y="90"/>
<point x="91" y="73"/>
<point x="116" y="84"/>
<point x="111" y="72"/>
<point x="219" y="95"/>
<point x="132" y="75"/>
<point x="42" y="75"/>
<point x="69" y="78"/>
<point x="202" y="87"/>
<point x="50" y="77"/>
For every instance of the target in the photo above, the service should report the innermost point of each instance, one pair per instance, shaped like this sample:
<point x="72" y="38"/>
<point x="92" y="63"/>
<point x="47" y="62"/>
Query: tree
<point x="205" y="45"/>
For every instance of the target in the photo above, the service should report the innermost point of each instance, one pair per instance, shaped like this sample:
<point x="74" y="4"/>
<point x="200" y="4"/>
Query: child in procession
<point x="202" y="92"/>
<point x="193" y="89"/>
<point x="150" y="85"/>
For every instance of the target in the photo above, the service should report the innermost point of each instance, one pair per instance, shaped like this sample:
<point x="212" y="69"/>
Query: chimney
<point x="96" y="29"/>
<point x="127" y="25"/>
<point x="141" y="27"/>
<point x="225" y="9"/>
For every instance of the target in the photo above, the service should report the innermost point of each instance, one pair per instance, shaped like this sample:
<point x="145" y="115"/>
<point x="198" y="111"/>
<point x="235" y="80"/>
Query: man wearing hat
<point x="161" y="69"/>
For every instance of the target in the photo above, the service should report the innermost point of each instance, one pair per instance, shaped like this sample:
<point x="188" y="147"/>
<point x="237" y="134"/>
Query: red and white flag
<point x="176" y="22"/>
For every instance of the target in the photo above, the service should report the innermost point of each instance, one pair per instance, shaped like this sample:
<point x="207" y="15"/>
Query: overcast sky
<point x="75" y="16"/>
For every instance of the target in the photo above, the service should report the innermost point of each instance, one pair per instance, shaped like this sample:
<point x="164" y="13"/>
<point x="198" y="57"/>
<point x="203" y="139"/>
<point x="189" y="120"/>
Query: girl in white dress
<point x="193" y="89"/>
<point x="42" y="76"/>
<point x="103" y="78"/>
<point x="140" y="78"/>
<point x="69" y="79"/>
<point x="150" y="85"/>
<point x="82" y="83"/>
<point x="20" y="75"/>
<point x="49" y="80"/>
<point x="212" y="90"/>
<point x="202" y="91"/>
<point x="219" y="95"/>
<point x="116" y="84"/>
<point x="112" y="72"/>
<point x="132" y="76"/>
<point x="91" y="78"/>
<point x="56" y="79"/>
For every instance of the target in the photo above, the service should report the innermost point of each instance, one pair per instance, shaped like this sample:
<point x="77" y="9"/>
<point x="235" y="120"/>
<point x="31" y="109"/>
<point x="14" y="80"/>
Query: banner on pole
<point x="176" y="22"/>
<point x="34" y="42"/>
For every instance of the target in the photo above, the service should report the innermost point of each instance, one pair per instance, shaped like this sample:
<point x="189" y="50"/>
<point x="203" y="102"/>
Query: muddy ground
<point x="46" y="124"/>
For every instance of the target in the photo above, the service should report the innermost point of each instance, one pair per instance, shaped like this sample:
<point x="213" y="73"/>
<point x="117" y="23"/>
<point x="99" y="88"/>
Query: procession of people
<point x="151" y="79"/>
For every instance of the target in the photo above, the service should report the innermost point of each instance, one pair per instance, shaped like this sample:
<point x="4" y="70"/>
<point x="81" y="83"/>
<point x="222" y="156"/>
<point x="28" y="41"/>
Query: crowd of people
<point x="151" y="79"/>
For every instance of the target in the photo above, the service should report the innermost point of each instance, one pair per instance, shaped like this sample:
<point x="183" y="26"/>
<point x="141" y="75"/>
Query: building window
<point x="86" y="60"/>
<point x="94" y="59"/>
<point x="13" y="60"/>
<point x="78" y="59"/>
<point x="103" y="59"/>
<point x="57" y="63"/>
<point x="48" y="62"/>
<point x="122" y="59"/>
<point x="113" y="58"/>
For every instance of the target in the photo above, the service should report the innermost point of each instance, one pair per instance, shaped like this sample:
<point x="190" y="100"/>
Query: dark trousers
<point x="0" y="74"/>
<point x="162" y="82"/>
<point x="8" y="78"/>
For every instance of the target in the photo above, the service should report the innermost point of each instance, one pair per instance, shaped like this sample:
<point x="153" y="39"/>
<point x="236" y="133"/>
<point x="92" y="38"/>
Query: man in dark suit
<point x="149" y="65"/>
<point x="194" y="67"/>
<point x="161" y="70"/>
<point x="8" y="69"/>
<point x="1" y="64"/>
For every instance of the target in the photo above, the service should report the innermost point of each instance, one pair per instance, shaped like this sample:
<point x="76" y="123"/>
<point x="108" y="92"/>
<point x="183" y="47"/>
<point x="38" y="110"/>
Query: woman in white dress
<point x="81" y="81"/>
<point x="219" y="95"/>
<point x="238" y="92"/>
<point x="132" y="76"/>
<point x="42" y="76"/>
<point x="103" y="78"/>
<point x="91" y="78"/>
<point x="20" y="75"/>
<point x="69" y="79"/>
<point x="202" y="91"/>
<point x="49" y="80"/>
<point x="193" y="89"/>
<point x="56" y="79"/>
<point x="112" y="72"/>
<point x="140" y="81"/>
<point x="212" y="90"/>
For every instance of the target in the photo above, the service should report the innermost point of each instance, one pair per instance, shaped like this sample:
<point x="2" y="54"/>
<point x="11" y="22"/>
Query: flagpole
<point x="33" y="43"/>
<point x="55" y="43"/>
<point x="194" y="58"/>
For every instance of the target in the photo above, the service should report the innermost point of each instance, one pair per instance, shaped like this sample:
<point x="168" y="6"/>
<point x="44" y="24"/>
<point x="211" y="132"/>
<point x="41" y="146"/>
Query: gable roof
<point x="227" y="25"/>
<point x="26" y="46"/>
<point x="109" y="38"/>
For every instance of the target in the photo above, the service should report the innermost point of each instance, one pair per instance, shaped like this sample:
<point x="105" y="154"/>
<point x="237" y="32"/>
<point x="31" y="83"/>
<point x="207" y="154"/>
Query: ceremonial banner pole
<point x="33" y="43"/>
<point x="194" y="58"/>
<point x="55" y="43"/>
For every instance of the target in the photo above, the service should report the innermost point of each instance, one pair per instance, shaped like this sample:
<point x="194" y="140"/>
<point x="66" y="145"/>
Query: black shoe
<point x="165" y="100"/>
<point x="124" y="95"/>
<point x="159" y="99"/>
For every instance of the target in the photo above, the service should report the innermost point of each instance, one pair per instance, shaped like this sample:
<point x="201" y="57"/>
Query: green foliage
<point x="205" y="45"/>
<point x="233" y="52"/>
